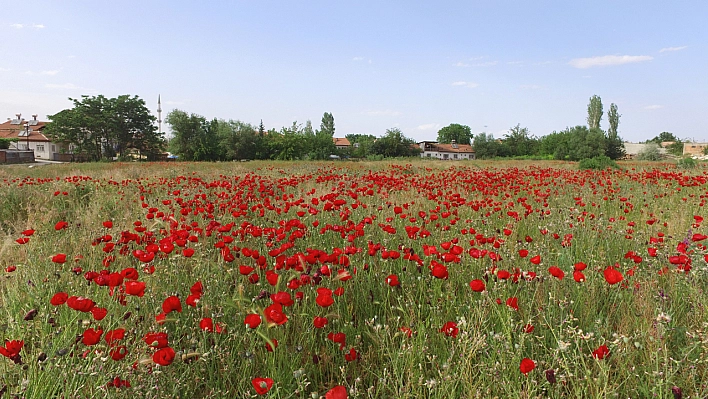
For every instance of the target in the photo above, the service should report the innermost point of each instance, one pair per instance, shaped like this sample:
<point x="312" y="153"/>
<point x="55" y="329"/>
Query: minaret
<point x="159" y="115"/>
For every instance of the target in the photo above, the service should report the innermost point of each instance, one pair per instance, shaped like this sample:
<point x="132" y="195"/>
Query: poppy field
<point x="353" y="280"/>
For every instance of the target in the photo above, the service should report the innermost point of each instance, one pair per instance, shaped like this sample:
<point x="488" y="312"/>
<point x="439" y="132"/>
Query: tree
<point x="594" y="112"/>
<point x="327" y="125"/>
<point x="240" y="141"/>
<point x="461" y="134"/>
<point x="518" y="141"/>
<point x="649" y="153"/>
<point x="361" y="144"/>
<point x="188" y="130"/>
<point x="395" y="144"/>
<point x="615" y="146"/>
<point x="664" y="137"/>
<point x="486" y="146"/>
<point x="100" y="127"/>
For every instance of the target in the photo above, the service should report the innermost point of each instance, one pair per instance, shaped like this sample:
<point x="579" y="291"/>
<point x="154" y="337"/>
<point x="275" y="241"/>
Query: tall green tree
<point x="361" y="144"/>
<point x="519" y="141"/>
<point x="395" y="144"/>
<point x="486" y="146"/>
<point x="188" y="129"/>
<point x="460" y="133"/>
<point x="101" y="127"/>
<point x="327" y="125"/>
<point x="615" y="146"/>
<point x="594" y="112"/>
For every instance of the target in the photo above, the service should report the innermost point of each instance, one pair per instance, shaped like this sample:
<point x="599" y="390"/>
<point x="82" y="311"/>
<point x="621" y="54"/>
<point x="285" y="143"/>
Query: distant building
<point x="631" y="150"/>
<point x="452" y="151"/>
<point x="30" y="137"/>
<point x="694" y="149"/>
<point x="341" y="142"/>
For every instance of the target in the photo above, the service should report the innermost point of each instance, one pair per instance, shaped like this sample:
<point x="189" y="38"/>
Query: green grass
<point x="653" y="324"/>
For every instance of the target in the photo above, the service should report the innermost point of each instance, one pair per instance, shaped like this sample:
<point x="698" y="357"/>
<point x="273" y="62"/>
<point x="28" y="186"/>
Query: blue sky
<point x="374" y="65"/>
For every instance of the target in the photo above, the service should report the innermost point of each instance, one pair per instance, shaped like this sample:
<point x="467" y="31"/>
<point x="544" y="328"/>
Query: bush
<point x="5" y="143"/>
<point x="649" y="153"/>
<point x="599" y="163"/>
<point x="686" y="163"/>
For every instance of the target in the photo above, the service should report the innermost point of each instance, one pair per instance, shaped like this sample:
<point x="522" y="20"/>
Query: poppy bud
<point x="677" y="392"/>
<point x="551" y="376"/>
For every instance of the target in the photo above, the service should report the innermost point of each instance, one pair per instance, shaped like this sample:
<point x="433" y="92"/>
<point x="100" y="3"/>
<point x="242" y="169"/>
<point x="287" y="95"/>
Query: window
<point x="427" y="155"/>
<point x="40" y="147"/>
<point x="455" y="156"/>
<point x="54" y="148"/>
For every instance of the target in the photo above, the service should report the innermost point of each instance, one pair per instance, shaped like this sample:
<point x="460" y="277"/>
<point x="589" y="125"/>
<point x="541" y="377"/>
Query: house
<point x="452" y="151"/>
<point x="30" y="137"/>
<point x="694" y="149"/>
<point x="341" y="142"/>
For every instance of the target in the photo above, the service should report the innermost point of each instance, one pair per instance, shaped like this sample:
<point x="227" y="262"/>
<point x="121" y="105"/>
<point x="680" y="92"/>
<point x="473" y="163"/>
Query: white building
<point x="452" y="151"/>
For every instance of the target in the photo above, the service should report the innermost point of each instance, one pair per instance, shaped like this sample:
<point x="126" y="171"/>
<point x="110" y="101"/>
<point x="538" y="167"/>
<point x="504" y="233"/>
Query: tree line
<point x="197" y="139"/>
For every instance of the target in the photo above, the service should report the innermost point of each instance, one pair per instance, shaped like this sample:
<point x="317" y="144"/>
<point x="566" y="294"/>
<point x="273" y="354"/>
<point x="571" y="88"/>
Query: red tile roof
<point x="8" y="130"/>
<point x="458" y="148"/>
<point x="341" y="141"/>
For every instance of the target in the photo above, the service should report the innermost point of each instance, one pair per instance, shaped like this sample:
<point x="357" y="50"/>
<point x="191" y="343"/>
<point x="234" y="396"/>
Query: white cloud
<point x="655" y="106"/>
<point x="607" y="60"/>
<point x="4" y="70"/>
<point x="515" y="63"/>
<point x="38" y="26"/>
<point x="530" y="87"/>
<point x="358" y="59"/>
<point x="462" y="83"/>
<point x="429" y="126"/>
<point x="17" y="26"/>
<point x="49" y="73"/>
<point x="665" y="49"/>
<point x="387" y="112"/>
<point x="460" y="64"/>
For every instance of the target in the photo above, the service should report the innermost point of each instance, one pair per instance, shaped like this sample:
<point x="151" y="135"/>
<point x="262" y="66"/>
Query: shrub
<point x="5" y="143"/>
<point x="686" y="163"/>
<point x="649" y="153"/>
<point x="598" y="163"/>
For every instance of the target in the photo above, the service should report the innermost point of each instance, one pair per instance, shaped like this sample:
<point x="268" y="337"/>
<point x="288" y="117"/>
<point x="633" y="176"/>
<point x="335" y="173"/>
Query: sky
<point x="375" y="65"/>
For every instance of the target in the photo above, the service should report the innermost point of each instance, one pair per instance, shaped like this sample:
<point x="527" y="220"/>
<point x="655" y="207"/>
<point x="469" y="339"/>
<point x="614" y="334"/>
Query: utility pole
<point x="159" y="115"/>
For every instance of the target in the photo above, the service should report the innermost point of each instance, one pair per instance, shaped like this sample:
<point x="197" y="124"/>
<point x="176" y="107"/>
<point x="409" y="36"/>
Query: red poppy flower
<point x="392" y="280"/>
<point x="252" y="320"/>
<point x="59" y="298"/>
<point x="580" y="266"/>
<point x="22" y="240"/>
<point x="513" y="303"/>
<point x="28" y="232"/>
<point x="439" y="271"/>
<point x="339" y="338"/>
<point x="406" y="331"/>
<point x="59" y="258"/>
<point x="450" y="329"/>
<point x="135" y="288"/>
<point x="274" y="314"/>
<point x="536" y="259"/>
<point x="262" y="385"/>
<point x="337" y="392"/>
<point x="282" y="298"/>
<point x="477" y="285"/>
<point x="156" y="339"/>
<point x="130" y="273"/>
<point x="164" y="356"/>
<point x="113" y="336"/>
<point x="172" y="303"/>
<point x="270" y="346"/>
<point x="192" y="300"/>
<point x="61" y="225"/>
<point x="80" y="303"/>
<point x="503" y="274"/>
<point x="197" y="288"/>
<point x="108" y="224"/>
<point x="523" y="253"/>
<point x="527" y="365"/>
<point x="91" y="336"/>
<point x="187" y="252"/>
<point x="98" y="313"/>
<point x="352" y="355"/>
<point x="578" y="276"/>
<point x="206" y="324"/>
<point x="612" y="275"/>
<point x="556" y="272"/>
<point x="320" y="322"/>
<point x="324" y="297"/>
<point x="12" y="348"/>
<point x="119" y="352"/>
<point x="528" y="329"/>
<point x="601" y="352"/>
